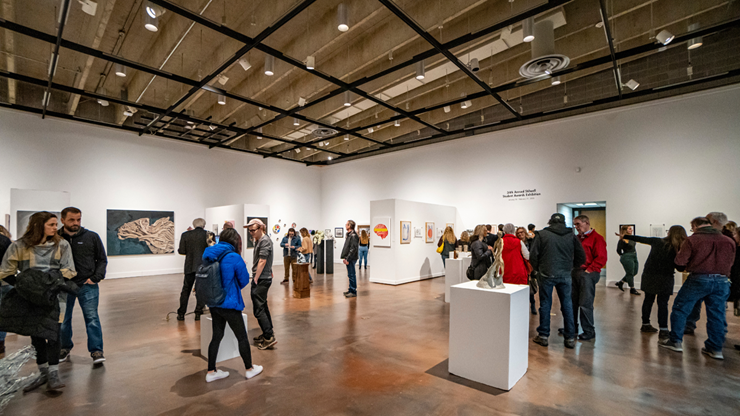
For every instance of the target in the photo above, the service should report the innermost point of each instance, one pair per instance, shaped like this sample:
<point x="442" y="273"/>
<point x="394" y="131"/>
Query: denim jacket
<point x="292" y="252"/>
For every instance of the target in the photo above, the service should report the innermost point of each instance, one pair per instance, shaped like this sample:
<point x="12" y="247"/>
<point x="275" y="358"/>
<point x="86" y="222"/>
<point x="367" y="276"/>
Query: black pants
<point x="187" y="288"/>
<point x="647" y="308"/>
<point x="47" y="350"/>
<point x="259" y="302"/>
<point x="584" y="292"/>
<point x="234" y="318"/>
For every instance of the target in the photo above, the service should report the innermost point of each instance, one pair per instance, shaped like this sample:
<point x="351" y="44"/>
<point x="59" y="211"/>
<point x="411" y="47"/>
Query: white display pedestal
<point x="455" y="273"/>
<point x="229" y="347"/>
<point x="489" y="333"/>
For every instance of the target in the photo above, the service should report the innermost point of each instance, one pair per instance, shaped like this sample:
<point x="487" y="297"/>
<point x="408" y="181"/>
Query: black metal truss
<point x="55" y="54"/>
<point x="608" y="33"/>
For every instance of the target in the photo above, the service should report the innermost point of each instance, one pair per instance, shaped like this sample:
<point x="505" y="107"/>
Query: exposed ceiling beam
<point x="8" y="12"/>
<point x="607" y="31"/>
<point x="55" y="55"/>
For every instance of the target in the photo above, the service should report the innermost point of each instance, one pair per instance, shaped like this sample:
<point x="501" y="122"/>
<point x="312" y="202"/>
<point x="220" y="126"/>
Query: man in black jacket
<point x="349" y="255"/>
<point x="4" y="287"/>
<point x="490" y="238"/>
<point x="555" y="252"/>
<point x="192" y="245"/>
<point x="90" y="262"/>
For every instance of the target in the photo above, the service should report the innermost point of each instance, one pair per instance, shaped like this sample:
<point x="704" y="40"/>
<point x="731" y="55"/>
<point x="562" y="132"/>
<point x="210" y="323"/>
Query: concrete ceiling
<point x="174" y="75"/>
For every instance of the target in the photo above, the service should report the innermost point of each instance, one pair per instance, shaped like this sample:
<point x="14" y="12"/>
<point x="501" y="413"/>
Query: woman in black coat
<point x="481" y="253"/>
<point x="657" y="276"/>
<point x="735" y="275"/>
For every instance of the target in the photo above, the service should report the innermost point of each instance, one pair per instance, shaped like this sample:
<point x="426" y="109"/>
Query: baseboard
<point x="406" y="280"/>
<point x="140" y="273"/>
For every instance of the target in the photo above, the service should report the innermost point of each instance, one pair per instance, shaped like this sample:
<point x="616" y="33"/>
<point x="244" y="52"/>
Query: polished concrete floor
<point x="383" y="353"/>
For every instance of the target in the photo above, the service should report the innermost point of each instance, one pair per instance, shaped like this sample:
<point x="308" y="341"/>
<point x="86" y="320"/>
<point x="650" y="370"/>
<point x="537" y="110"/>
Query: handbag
<point x="441" y="248"/>
<point x="470" y="273"/>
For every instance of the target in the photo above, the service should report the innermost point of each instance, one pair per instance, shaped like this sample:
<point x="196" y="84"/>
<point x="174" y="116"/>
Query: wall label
<point x="523" y="195"/>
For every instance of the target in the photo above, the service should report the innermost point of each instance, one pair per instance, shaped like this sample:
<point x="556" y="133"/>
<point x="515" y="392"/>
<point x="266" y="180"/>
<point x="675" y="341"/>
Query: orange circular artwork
<point x="430" y="233"/>
<point x="381" y="230"/>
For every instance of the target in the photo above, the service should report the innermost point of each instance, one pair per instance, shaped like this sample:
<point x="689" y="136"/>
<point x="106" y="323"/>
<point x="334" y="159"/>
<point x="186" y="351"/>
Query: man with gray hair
<point x="192" y="245"/>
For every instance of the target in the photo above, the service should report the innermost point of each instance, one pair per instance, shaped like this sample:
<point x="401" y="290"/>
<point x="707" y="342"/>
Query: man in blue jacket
<point x="290" y="244"/>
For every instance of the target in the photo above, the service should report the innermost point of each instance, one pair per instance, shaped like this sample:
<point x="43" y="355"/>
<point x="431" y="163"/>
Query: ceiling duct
<point x="544" y="59"/>
<point x="324" y="132"/>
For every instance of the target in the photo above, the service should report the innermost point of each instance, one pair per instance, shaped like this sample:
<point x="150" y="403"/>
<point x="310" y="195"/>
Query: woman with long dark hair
<point x="234" y="278"/>
<point x="657" y="276"/>
<point x="628" y="258"/>
<point x="42" y="248"/>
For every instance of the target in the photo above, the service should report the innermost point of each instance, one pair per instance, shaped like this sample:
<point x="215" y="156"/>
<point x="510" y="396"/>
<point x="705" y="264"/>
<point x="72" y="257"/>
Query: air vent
<point x="544" y="59"/>
<point x="324" y="132"/>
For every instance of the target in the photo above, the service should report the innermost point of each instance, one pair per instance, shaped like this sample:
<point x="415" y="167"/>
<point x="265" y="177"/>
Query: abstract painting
<point x="429" y="232"/>
<point x="22" y="218"/>
<point x="382" y="230"/>
<point x="405" y="232"/>
<point x="418" y="232"/>
<point x="132" y="232"/>
<point x="338" y="232"/>
<point x="250" y="243"/>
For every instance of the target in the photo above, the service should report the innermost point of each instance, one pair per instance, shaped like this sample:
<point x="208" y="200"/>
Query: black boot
<point x="620" y="285"/>
<point x="54" y="384"/>
<point x="40" y="380"/>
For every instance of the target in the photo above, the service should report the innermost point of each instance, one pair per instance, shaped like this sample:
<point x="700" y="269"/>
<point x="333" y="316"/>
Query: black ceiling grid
<point x="55" y="55"/>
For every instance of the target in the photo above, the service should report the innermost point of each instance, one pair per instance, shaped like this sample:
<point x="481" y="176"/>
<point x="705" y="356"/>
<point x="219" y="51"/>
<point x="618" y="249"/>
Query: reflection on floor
<point x="383" y="353"/>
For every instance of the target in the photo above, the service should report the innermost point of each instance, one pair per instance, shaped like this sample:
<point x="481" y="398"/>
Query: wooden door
<point x="598" y="220"/>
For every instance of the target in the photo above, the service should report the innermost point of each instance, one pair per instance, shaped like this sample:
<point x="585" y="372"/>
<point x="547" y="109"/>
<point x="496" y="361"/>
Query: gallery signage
<point x="522" y="195"/>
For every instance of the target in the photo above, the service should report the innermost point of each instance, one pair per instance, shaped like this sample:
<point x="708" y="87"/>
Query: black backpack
<point x="208" y="287"/>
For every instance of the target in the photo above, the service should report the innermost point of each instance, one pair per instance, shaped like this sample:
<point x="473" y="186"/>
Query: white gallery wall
<point x="665" y="161"/>
<point x="104" y="169"/>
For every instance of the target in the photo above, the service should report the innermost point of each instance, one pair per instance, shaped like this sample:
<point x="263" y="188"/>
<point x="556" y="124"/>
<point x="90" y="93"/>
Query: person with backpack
<point x="222" y="261"/>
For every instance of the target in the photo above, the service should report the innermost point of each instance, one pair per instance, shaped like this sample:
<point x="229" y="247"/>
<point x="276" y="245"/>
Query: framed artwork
<point x="292" y="225"/>
<point x="366" y="228"/>
<point x="327" y="234"/>
<point x="140" y="232"/>
<point x="418" y="232"/>
<point x="658" y="230"/>
<point x="382" y="230"/>
<point x="338" y="232"/>
<point x="250" y="243"/>
<point x="634" y="232"/>
<point x="429" y="232"/>
<point x="405" y="232"/>
<point x="22" y="218"/>
<point x="440" y="233"/>
<point x="276" y="229"/>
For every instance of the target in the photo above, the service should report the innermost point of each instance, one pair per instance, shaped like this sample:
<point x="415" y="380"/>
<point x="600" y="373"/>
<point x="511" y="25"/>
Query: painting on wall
<point x="250" y="243"/>
<point x="382" y="230"/>
<point x="132" y="232"/>
<point x="429" y="232"/>
<point x="658" y="230"/>
<point x="418" y="232"/>
<point x="339" y="232"/>
<point x="405" y="232"/>
<point x="276" y="229"/>
<point x="22" y="218"/>
<point x="360" y="228"/>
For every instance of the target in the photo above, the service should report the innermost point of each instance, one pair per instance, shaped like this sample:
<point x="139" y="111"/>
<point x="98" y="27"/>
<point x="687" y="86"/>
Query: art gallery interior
<point x="311" y="113"/>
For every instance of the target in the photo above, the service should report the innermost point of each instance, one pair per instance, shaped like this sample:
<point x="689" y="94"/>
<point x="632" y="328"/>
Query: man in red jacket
<point x="585" y="278"/>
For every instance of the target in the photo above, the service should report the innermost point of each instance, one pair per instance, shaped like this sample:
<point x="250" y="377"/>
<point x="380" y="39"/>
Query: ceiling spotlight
<point x="301" y="101"/>
<point x="154" y="10"/>
<point x="326" y="143"/>
<point x="632" y="84"/>
<point x="151" y="23"/>
<point x="310" y="62"/>
<point x="665" y="37"/>
<point x="555" y="81"/>
<point x="189" y="127"/>
<point x="346" y="137"/>
<point x="298" y="150"/>
<point x="347" y="99"/>
<point x="370" y="130"/>
<point x="466" y="104"/>
<point x="212" y="127"/>
<point x="599" y="25"/>
<point x="420" y="70"/>
<point x="342" y="23"/>
<point x="120" y="70"/>
<point x="88" y="6"/>
<point x="474" y="65"/>
<point x="295" y="122"/>
<point x="528" y="29"/>
<point x="447" y="109"/>
<point x="130" y="111"/>
<point x="223" y="79"/>
<point x="269" y="65"/>
<point x="694" y="42"/>
<point x="245" y="63"/>
<point x="321" y="144"/>
<point x="397" y="123"/>
<point x="329" y="157"/>
<point x="102" y="102"/>
<point x="221" y="99"/>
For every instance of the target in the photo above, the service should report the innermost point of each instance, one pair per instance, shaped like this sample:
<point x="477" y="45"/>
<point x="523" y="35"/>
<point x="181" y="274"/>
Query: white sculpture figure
<point x="494" y="277"/>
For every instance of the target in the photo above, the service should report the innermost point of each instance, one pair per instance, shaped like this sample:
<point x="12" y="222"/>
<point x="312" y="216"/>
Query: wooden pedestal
<point x="301" y="285"/>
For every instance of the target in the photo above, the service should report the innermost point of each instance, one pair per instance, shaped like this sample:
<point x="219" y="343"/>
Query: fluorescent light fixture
<point x="221" y="99"/>
<point x="528" y="29"/>
<point x="301" y="101"/>
<point x="88" y="6"/>
<point x="555" y="81"/>
<point x="447" y="109"/>
<point x="591" y="204"/>
<point x="120" y="70"/>
<point x="694" y="42"/>
<point x="154" y="10"/>
<point x="295" y="122"/>
<point x="347" y="99"/>
<point x="245" y="64"/>
<point x="420" y="70"/>
<point x="269" y="65"/>
<point x="632" y="84"/>
<point x="310" y="62"/>
<point x="342" y="22"/>
<point x="665" y="37"/>
<point x="223" y="79"/>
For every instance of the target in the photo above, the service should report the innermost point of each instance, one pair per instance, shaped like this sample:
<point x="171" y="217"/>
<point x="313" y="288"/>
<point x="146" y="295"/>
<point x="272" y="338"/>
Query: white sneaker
<point x="254" y="372"/>
<point x="218" y="375"/>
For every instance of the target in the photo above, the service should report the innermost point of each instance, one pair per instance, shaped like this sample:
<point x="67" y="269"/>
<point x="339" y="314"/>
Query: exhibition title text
<point x="523" y="194"/>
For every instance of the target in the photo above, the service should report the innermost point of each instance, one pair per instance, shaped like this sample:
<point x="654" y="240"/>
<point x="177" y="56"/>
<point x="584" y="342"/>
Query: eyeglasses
<point x="251" y="230"/>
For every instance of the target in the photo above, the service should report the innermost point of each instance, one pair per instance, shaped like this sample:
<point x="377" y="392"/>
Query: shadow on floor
<point x="195" y="385"/>
<point x="441" y="370"/>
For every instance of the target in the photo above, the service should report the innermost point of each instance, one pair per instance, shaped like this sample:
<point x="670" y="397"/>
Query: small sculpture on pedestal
<point x="494" y="277"/>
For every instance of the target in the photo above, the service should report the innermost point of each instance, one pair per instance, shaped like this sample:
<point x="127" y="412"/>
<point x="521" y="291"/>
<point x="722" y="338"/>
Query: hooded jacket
<point x="556" y="251"/>
<point x="234" y="274"/>
<point x="89" y="255"/>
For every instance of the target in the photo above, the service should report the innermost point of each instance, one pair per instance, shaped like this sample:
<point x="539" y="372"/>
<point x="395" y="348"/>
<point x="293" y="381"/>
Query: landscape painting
<point x="132" y="232"/>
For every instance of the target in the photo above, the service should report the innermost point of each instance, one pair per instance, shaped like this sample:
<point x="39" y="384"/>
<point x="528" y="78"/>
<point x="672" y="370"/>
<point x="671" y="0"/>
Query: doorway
<point x="596" y="212"/>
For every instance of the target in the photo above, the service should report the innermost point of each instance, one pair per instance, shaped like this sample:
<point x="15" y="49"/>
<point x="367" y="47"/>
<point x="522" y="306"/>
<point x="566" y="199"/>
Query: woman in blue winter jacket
<point x="234" y="278"/>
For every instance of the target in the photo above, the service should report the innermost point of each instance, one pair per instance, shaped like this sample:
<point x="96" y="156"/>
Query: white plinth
<point x="455" y="273"/>
<point x="229" y="347"/>
<point x="489" y="334"/>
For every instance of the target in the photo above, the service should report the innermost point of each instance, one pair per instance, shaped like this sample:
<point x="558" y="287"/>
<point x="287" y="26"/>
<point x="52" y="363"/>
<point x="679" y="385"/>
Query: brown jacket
<point x="306" y="245"/>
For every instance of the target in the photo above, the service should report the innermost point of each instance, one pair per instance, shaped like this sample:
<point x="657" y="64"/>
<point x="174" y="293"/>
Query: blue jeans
<point x="363" y="254"/>
<point x="88" y="297"/>
<point x="713" y="289"/>
<point x="3" y="290"/>
<point x="694" y="316"/>
<point x="562" y="285"/>
<point x="352" y="274"/>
